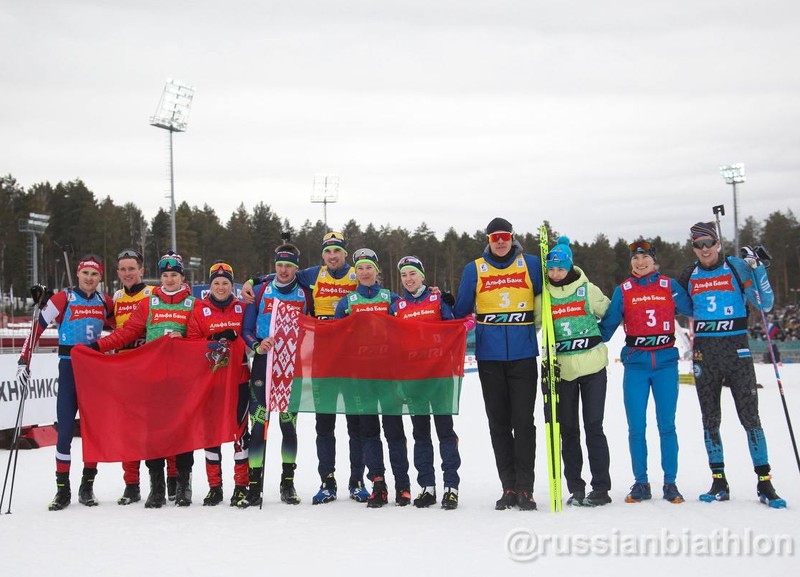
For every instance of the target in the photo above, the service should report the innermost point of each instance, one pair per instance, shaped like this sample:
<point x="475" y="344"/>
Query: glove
<point x="469" y="322"/>
<point x="750" y="256"/>
<point x="448" y="299"/>
<point x="95" y="347"/>
<point x="229" y="334"/>
<point x="41" y="294"/>
<point x="23" y="377"/>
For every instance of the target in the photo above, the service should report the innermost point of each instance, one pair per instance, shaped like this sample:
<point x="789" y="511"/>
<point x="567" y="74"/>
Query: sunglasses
<point x="220" y="267"/>
<point x="500" y="237"/>
<point x="640" y="246"/>
<point x="364" y="253"/>
<point x="409" y="261"/>
<point x="130" y="253"/>
<point x="707" y="243"/>
<point x="333" y="235"/>
<point x="170" y="262"/>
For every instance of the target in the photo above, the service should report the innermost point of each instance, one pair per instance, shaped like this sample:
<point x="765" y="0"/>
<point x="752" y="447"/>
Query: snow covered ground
<point x="740" y="537"/>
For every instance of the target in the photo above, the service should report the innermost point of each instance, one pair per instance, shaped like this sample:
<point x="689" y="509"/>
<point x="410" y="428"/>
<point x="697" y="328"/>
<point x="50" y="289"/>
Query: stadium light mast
<point x="325" y="191"/>
<point x="172" y="115"/>
<point x="35" y="225"/>
<point x="733" y="175"/>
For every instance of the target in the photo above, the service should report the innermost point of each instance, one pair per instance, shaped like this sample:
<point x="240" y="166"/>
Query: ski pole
<point x="777" y="372"/>
<point x="38" y="293"/>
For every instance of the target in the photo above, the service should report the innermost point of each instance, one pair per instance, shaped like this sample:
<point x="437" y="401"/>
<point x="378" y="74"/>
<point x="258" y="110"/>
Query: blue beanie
<point x="560" y="256"/>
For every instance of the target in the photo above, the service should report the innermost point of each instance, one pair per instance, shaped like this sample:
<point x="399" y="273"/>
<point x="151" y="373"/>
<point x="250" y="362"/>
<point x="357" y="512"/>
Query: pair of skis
<point x="550" y="379"/>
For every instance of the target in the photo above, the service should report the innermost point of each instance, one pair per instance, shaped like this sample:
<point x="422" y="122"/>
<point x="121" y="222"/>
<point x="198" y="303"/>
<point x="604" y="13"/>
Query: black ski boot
<point x="766" y="493"/>
<point x="214" y="497"/>
<point x="380" y="494"/>
<point x="157" y="497"/>
<point x="86" y="489"/>
<point x="450" y="499"/>
<point x="63" y="493"/>
<point x="172" y="487"/>
<point x="402" y="497"/>
<point x="183" y="488"/>
<point x="253" y="495"/>
<point x="426" y="498"/>
<point x="132" y="494"/>
<point x="507" y="501"/>
<point x="239" y="493"/>
<point x="288" y="492"/>
<point x="719" y="490"/>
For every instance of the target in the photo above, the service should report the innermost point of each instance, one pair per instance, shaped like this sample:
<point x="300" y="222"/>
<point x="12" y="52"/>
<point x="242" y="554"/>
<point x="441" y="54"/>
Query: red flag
<point x="157" y="400"/>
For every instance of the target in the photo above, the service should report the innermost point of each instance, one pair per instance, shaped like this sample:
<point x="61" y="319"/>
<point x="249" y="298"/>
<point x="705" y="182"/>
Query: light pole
<point x="34" y="225"/>
<point x="326" y="190"/>
<point x="172" y="115"/>
<point x="733" y="175"/>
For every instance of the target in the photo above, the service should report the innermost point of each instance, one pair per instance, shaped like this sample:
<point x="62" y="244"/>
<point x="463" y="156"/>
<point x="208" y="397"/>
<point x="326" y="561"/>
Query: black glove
<point x="41" y="294"/>
<point x="229" y="334"/>
<point x="448" y="298"/>
<point x="95" y="347"/>
<point x="750" y="256"/>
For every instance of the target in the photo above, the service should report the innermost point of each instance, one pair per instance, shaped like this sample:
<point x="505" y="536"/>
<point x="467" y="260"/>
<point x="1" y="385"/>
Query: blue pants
<point x="66" y="409"/>
<point x="373" y="448"/>
<point x="326" y="446"/>
<point x="655" y="371"/>
<point x="423" y="450"/>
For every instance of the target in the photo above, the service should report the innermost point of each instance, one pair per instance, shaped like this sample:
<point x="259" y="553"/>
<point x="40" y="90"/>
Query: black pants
<point x="509" y="394"/>
<point x="590" y="391"/>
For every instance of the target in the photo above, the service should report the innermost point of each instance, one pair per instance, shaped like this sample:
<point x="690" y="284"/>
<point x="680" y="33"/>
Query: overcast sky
<point x="602" y="117"/>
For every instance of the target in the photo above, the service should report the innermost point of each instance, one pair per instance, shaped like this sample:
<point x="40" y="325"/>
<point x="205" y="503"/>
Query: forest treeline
<point x="247" y="239"/>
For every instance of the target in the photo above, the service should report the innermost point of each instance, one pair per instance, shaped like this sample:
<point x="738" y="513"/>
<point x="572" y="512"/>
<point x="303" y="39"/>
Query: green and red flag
<point x="369" y="364"/>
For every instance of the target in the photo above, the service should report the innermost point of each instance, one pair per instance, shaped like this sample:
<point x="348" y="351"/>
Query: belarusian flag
<point x="369" y="364"/>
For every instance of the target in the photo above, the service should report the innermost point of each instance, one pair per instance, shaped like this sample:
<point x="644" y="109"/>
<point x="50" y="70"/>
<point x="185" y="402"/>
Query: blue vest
<point x="719" y="304"/>
<point x="267" y="300"/>
<point x="83" y="320"/>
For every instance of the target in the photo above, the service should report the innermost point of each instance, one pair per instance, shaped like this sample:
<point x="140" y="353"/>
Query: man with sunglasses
<point x="720" y="288"/>
<point x="130" y="272"/>
<point x="328" y="283"/>
<point x="80" y="312"/>
<point x="501" y="288"/>
<point x="165" y="313"/>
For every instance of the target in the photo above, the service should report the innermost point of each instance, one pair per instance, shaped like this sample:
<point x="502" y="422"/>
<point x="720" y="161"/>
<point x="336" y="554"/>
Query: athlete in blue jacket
<point x="720" y="289"/>
<point x="647" y="301"/>
<point x="501" y="287"/>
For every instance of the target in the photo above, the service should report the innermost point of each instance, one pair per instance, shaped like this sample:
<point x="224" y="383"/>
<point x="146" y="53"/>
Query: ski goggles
<point x="366" y="255"/>
<point x="130" y="253"/>
<point x="220" y="268"/>
<point x="333" y="236"/>
<point x="642" y="247"/>
<point x="500" y="236"/>
<point x="333" y="241"/>
<point x="170" y="263"/>
<point x="705" y="243"/>
<point x="411" y="261"/>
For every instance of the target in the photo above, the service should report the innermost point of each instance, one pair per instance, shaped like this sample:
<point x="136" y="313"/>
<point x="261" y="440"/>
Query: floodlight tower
<point x="326" y="190"/>
<point x="173" y="115"/>
<point x="35" y="225"/>
<point x="733" y="175"/>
